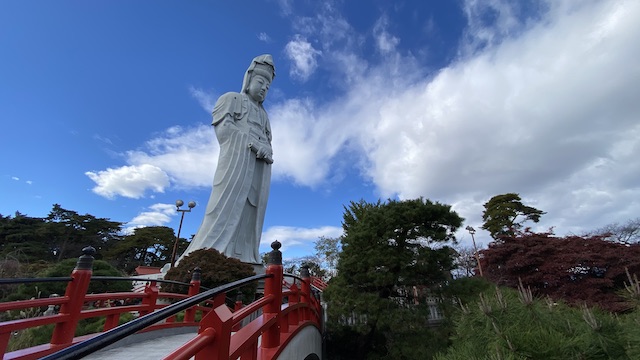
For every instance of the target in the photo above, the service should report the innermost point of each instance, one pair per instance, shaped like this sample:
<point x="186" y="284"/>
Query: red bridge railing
<point x="221" y="334"/>
<point x="318" y="283"/>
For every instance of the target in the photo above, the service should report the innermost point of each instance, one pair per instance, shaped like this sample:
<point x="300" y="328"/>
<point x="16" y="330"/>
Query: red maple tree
<point x="577" y="270"/>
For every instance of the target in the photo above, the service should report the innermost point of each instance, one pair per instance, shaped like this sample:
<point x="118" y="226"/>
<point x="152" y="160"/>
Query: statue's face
<point x="258" y="88"/>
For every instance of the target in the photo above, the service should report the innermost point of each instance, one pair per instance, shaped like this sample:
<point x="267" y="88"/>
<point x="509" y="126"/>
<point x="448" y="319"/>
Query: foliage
<point x="294" y="265"/>
<point x="387" y="252"/>
<point x="510" y="324"/>
<point x="61" y="235"/>
<point x="328" y="252"/>
<point x="64" y="269"/>
<point x="342" y="343"/>
<point x="96" y="324"/>
<point x="217" y="270"/>
<point x="30" y="337"/>
<point x="627" y="233"/>
<point x="69" y="232"/>
<point x="23" y="239"/>
<point x="466" y="263"/>
<point x="42" y="334"/>
<point x="575" y="269"/>
<point x="463" y="290"/>
<point x="147" y="246"/>
<point x="406" y="337"/>
<point x="322" y="264"/>
<point x="12" y="269"/>
<point x="631" y="290"/>
<point x="502" y="211"/>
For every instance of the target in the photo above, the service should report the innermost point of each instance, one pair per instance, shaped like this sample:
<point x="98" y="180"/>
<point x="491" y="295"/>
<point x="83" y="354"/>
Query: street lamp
<point x="179" y="203"/>
<point x="475" y="249"/>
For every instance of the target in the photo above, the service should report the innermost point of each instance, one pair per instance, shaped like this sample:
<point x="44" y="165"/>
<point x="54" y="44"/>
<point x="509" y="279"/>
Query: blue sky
<point x="105" y="107"/>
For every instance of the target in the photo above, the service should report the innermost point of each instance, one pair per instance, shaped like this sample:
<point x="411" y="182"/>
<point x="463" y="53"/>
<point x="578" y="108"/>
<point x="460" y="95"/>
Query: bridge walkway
<point x="152" y="348"/>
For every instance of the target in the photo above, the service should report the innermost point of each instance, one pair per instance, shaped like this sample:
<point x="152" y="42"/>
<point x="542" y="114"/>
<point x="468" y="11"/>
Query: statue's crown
<point x="264" y="66"/>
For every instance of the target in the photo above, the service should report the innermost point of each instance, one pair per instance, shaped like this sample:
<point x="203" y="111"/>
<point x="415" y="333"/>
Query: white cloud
<point x="29" y="182"/>
<point x="129" y="181"/>
<point x="296" y="237"/>
<point x="306" y="140"/>
<point x="336" y="39"/>
<point x="303" y="56"/>
<point x="529" y="110"/>
<point x="286" y="6"/>
<point x="156" y="215"/>
<point x="15" y="178"/>
<point x="385" y="42"/>
<point x="489" y="22"/>
<point x="206" y="99"/>
<point x="103" y="139"/>
<point x="263" y="36"/>
<point x="188" y="155"/>
<point x="544" y="108"/>
<point x="179" y="157"/>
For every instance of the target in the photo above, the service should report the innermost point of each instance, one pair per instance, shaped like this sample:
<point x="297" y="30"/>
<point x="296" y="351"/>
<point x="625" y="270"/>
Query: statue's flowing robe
<point x="235" y="213"/>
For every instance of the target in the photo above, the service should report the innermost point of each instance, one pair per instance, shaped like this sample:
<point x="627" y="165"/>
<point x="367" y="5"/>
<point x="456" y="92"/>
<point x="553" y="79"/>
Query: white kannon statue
<point x="235" y="213"/>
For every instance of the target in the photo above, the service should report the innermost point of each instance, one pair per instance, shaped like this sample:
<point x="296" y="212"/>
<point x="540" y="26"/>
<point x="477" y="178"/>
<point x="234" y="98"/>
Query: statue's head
<point x="262" y="70"/>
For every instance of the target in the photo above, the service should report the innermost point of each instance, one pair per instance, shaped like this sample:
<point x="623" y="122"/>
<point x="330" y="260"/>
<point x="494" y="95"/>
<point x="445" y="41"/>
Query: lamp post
<point x="472" y="231"/>
<point x="179" y="203"/>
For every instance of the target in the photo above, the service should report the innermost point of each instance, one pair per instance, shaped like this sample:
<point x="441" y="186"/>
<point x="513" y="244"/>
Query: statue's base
<point x="164" y="269"/>
<point x="259" y="269"/>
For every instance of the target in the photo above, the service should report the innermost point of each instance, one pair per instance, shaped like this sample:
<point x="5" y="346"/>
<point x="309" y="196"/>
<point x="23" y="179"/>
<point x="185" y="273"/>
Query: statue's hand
<point x="262" y="152"/>
<point x="265" y="153"/>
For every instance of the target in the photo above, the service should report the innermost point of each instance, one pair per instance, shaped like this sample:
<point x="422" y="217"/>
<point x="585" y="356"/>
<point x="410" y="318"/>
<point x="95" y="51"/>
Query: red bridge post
<point x="194" y="289"/>
<point x="273" y="288"/>
<point x="76" y="290"/>
<point x="305" y="289"/>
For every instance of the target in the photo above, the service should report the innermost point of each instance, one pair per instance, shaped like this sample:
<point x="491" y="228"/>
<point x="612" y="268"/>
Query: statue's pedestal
<point x="164" y="269"/>
<point x="259" y="269"/>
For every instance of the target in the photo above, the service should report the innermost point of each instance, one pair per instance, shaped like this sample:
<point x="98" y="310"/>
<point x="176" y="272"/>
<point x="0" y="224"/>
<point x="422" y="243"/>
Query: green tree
<point x="23" y="239"/>
<point x="294" y="265"/>
<point x="61" y="235"/>
<point x="511" y="324"/>
<point x="64" y="269"/>
<point x="147" y="246"/>
<point x="504" y="215"/>
<point x="388" y="250"/>
<point x="217" y="270"/>
<point x="328" y="253"/>
<point x="69" y="232"/>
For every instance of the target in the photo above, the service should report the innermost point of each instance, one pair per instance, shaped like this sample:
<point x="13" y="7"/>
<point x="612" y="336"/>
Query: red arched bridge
<point x="286" y="323"/>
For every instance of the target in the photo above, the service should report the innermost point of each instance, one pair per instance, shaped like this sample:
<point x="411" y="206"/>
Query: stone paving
<point x="146" y="347"/>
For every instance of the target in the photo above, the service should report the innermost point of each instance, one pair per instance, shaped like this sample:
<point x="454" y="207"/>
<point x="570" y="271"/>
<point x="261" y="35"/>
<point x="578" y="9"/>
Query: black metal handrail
<point x="297" y="277"/>
<point x="109" y="337"/>
<point x="162" y="281"/>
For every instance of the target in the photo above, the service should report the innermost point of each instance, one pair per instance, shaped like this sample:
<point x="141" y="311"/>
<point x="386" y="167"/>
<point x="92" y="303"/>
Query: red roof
<point x="147" y="270"/>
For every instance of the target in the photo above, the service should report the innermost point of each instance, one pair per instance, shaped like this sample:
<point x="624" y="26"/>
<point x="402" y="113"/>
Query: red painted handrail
<point x="318" y="283"/>
<point x="280" y="321"/>
<point x="221" y="332"/>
